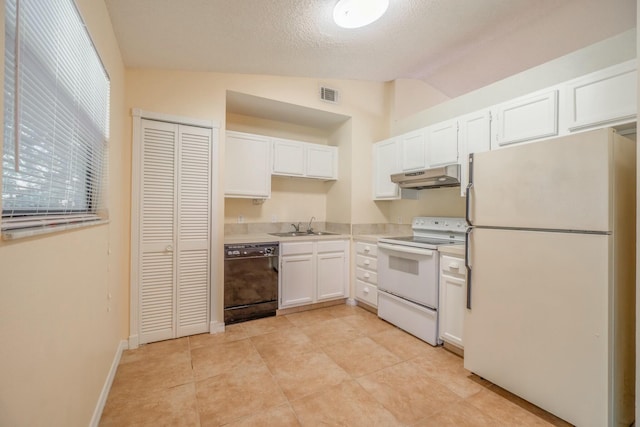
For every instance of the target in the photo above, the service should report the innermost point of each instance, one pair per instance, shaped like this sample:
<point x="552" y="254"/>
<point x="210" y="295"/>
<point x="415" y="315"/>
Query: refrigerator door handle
<point x="468" y="203"/>
<point x="468" y="192"/>
<point x="467" y="264"/>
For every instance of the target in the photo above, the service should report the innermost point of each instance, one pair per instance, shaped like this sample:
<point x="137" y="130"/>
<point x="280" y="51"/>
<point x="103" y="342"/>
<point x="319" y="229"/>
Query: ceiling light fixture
<point x="358" y="13"/>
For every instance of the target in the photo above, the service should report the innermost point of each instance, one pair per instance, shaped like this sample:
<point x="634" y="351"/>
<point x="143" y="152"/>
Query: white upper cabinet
<point x="414" y="150"/>
<point x="322" y="161"/>
<point x="443" y="143"/>
<point x="474" y="137"/>
<point x="247" y="166"/>
<point x="605" y="97"/>
<point x="527" y="118"/>
<point x="303" y="159"/>
<point x="386" y="156"/>
<point x="288" y="157"/>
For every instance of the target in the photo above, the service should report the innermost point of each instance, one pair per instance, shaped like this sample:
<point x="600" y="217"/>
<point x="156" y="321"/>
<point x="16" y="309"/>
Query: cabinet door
<point x="453" y="294"/>
<point x="414" y="150"/>
<point x="194" y="230"/>
<point x="331" y="275"/>
<point x="528" y="118"/>
<point x="604" y="97"/>
<point x="321" y="161"/>
<point x="386" y="155"/>
<point x="157" y="218"/>
<point x="297" y="282"/>
<point x="247" y="166"/>
<point x="475" y="137"/>
<point x="288" y="157"/>
<point x="443" y="143"/>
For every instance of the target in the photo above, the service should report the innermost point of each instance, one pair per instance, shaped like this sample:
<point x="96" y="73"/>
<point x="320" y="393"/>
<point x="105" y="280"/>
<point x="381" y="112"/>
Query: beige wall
<point x="202" y="95"/>
<point x="63" y="297"/>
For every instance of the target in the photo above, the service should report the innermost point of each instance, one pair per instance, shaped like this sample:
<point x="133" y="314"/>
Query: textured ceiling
<point x="454" y="45"/>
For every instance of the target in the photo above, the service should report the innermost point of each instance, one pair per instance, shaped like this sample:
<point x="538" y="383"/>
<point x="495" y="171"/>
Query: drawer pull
<point x="367" y="262"/>
<point x="367" y="249"/>
<point x="365" y="290"/>
<point x="366" y="275"/>
<point x="454" y="265"/>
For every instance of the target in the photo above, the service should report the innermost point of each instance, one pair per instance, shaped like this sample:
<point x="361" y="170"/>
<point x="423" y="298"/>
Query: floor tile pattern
<point x="334" y="366"/>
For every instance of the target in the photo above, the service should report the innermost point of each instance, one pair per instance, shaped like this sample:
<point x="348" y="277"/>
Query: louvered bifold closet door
<point x="194" y="222"/>
<point x="158" y="202"/>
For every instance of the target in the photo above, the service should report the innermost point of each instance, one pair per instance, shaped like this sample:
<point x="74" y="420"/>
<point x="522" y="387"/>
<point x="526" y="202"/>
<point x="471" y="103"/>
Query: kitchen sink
<point x="303" y="234"/>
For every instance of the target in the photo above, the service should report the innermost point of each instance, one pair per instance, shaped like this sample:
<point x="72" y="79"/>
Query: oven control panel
<point x="422" y="223"/>
<point x="250" y="250"/>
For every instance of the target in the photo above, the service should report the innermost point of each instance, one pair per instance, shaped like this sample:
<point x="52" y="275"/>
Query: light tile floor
<point x="338" y="366"/>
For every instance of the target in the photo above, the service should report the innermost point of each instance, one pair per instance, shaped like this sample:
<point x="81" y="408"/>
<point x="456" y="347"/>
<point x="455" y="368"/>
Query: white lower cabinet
<point x="313" y="272"/>
<point x="453" y="295"/>
<point x="296" y="274"/>
<point x="366" y="269"/>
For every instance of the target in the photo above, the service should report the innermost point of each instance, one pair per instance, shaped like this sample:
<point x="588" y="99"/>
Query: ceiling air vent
<point x="329" y="95"/>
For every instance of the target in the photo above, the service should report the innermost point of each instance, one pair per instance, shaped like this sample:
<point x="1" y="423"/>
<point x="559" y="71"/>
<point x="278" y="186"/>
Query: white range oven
<point x="408" y="274"/>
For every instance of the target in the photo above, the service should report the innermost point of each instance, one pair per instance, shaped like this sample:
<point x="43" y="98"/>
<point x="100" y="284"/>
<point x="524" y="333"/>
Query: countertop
<point x="456" y="250"/>
<point x="265" y="237"/>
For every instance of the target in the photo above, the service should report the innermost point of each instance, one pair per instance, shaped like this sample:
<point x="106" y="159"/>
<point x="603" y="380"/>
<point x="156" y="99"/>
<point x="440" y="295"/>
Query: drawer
<point x="368" y="249"/>
<point x="331" y="246"/>
<point x="296" y="248"/>
<point x="452" y="265"/>
<point x="367" y="262"/>
<point x="366" y="275"/>
<point x="367" y="292"/>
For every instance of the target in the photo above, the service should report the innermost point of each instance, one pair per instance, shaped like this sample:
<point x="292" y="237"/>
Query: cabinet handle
<point x="365" y="290"/>
<point x="454" y="265"/>
<point x="367" y="249"/>
<point x="366" y="275"/>
<point x="169" y="248"/>
<point x="367" y="262"/>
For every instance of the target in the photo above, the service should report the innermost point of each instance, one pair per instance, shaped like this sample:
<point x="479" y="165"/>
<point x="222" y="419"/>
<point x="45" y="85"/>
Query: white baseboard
<point x="216" y="327"/>
<point x="106" y="388"/>
<point x="133" y="342"/>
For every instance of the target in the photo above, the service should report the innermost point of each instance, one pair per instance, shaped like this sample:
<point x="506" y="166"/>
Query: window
<point x="56" y="117"/>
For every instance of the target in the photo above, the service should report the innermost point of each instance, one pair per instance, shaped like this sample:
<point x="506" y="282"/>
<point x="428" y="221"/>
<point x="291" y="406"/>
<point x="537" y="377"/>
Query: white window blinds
<point x="56" y="117"/>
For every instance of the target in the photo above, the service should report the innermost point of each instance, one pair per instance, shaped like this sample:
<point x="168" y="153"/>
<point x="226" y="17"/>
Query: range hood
<point x="445" y="176"/>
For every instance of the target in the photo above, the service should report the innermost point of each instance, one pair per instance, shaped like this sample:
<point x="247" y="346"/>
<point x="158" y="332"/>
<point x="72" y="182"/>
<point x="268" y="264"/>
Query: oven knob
<point x="230" y="253"/>
<point x="268" y="251"/>
<point x="245" y="253"/>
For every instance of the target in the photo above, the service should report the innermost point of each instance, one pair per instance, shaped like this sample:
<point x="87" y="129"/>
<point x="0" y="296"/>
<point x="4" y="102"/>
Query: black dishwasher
<point x="250" y="281"/>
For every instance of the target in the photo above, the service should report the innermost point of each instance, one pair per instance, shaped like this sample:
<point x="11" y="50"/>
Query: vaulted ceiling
<point x="453" y="45"/>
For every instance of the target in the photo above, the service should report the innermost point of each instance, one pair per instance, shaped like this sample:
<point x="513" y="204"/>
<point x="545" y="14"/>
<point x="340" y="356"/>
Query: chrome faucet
<point x="309" y="229"/>
<point x="296" y="227"/>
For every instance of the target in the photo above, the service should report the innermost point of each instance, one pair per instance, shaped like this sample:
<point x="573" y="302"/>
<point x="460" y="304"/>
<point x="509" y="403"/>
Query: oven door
<point x="409" y="272"/>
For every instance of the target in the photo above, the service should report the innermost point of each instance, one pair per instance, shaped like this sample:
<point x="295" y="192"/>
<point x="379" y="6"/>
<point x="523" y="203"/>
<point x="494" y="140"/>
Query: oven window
<point x="404" y="265"/>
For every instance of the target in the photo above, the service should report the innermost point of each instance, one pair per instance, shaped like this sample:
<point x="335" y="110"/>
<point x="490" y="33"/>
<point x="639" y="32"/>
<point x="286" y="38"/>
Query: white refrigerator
<point x="551" y="274"/>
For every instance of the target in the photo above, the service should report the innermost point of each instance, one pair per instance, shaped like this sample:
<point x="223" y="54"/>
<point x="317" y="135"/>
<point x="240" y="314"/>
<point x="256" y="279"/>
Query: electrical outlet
<point x="274" y="218"/>
<point x="240" y="219"/>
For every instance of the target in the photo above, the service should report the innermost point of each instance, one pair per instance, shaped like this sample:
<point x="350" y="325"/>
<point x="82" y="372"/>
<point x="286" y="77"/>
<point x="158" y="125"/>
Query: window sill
<point x="23" y="233"/>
